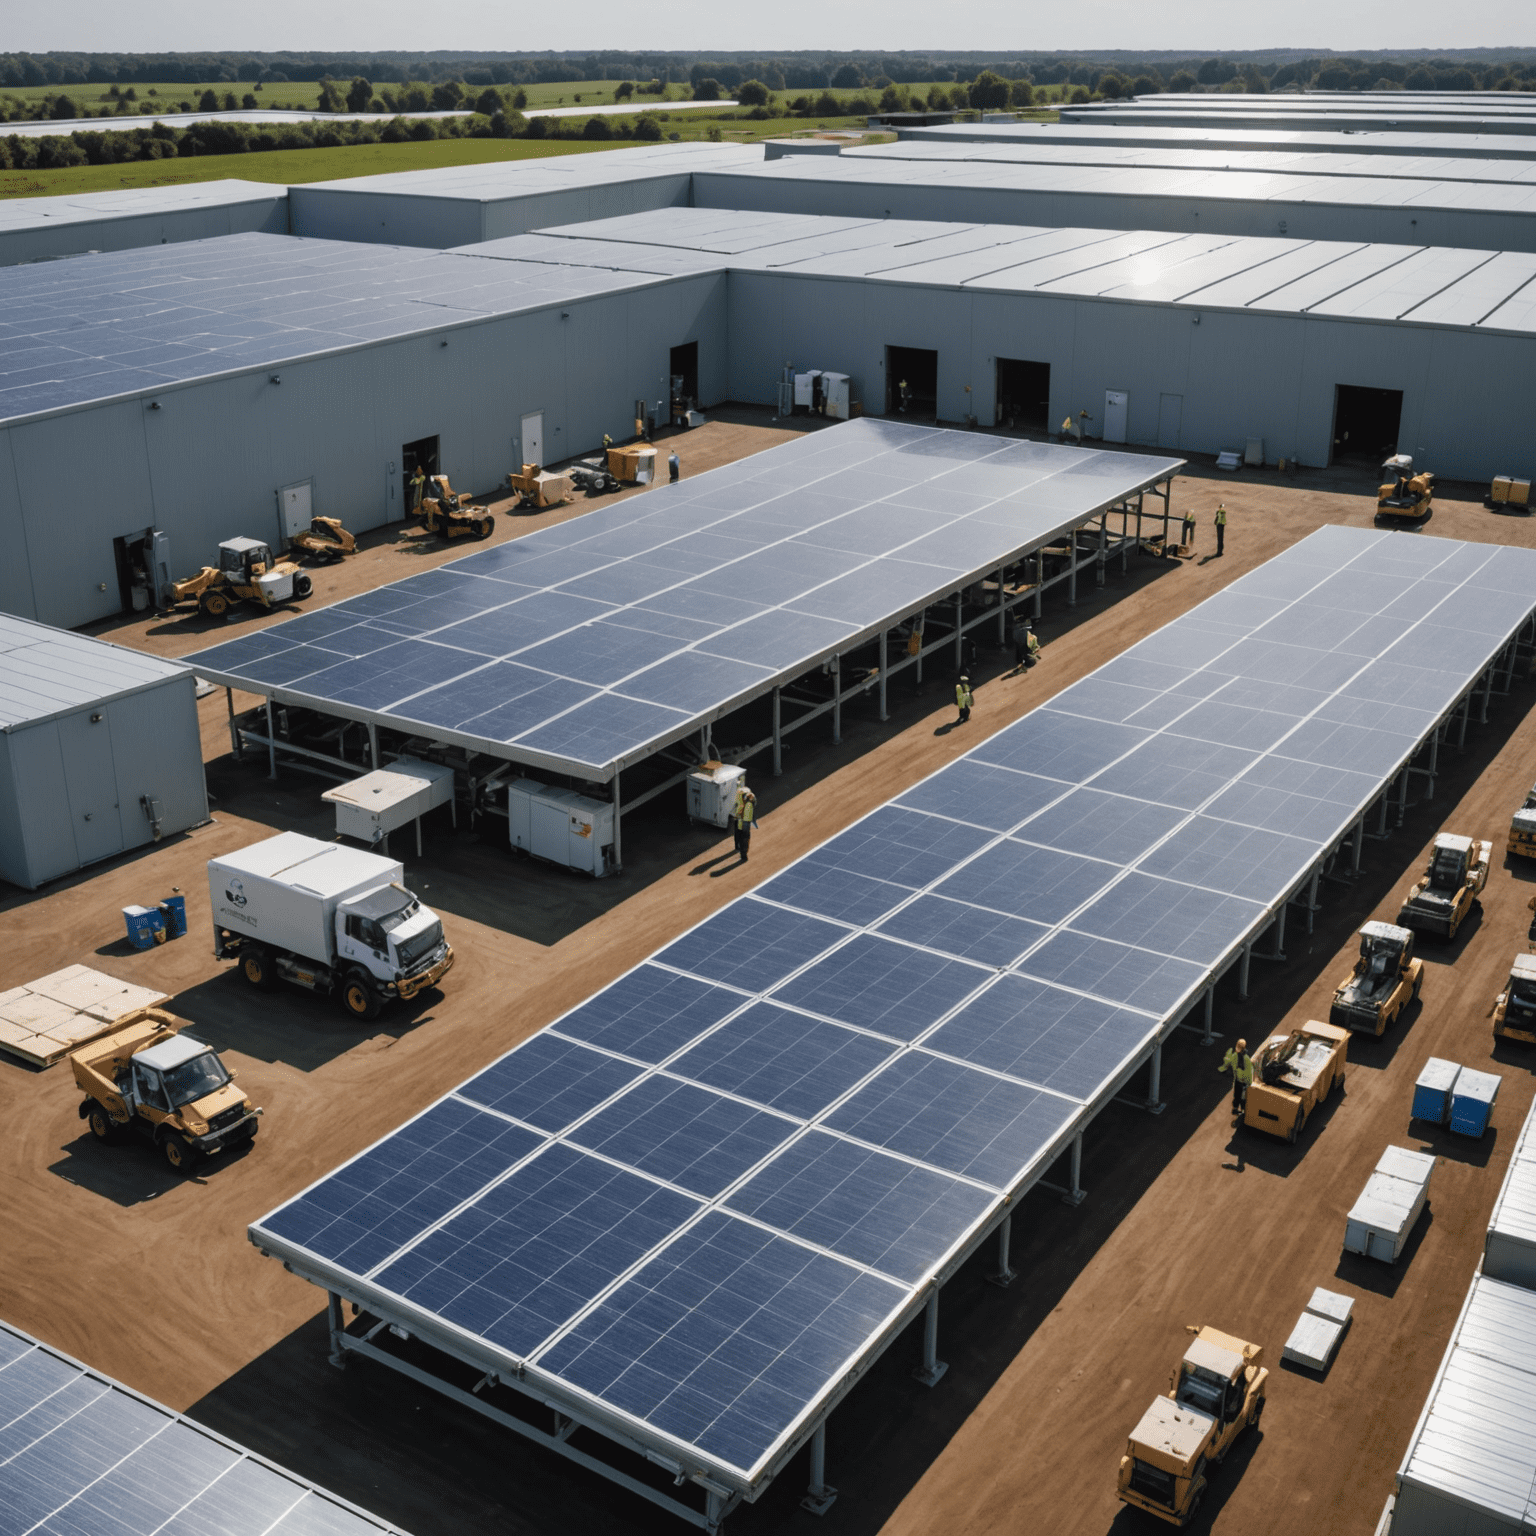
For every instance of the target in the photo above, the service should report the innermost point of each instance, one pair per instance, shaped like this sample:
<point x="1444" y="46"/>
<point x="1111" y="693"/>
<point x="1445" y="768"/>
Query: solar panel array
<point x="692" y="1204"/>
<point x="591" y="643"/>
<point x="82" y="1456"/>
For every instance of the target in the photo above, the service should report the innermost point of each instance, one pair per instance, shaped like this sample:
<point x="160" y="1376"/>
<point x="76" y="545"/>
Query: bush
<point x="988" y="92"/>
<point x="520" y="100"/>
<point x="752" y="93"/>
<point x="624" y="90"/>
<point x="646" y="127"/>
<point x="1023" y="93"/>
<point x="827" y="105"/>
<point x="713" y="133"/>
<point x="1079" y="95"/>
<point x="249" y="102"/>
<point x="847" y="78"/>
<point x="359" y="95"/>
<point x="415" y="99"/>
<point x="538" y="128"/>
<point x="488" y="102"/>
<point x="707" y="90"/>
<point x="422" y="128"/>
<point x="597" y="128"/>
<point x="448" y="96"/>
<point x="860" y="106"/>
<point x="1183" y="81"/>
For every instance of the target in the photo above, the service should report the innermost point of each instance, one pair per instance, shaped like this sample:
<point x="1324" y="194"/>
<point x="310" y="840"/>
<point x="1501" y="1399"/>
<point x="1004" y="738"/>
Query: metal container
<point x="1432" y="1092"/>
<point x="1390" y="1204"/>
<point x="372" y="807"/>
<point x="712" y="793"/>
<point x="146" y="927"/>
<point x="561" y="826"/>
<point x="1472" y="1102"/>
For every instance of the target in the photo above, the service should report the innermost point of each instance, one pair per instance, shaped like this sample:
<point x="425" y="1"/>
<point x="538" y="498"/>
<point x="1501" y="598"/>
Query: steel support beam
<point x="271" y="742"/>
<point x="618" y="824"/>
<point x="236" y="744"/>
<point x="373" y="745"/>
<point x="884" y="645"/>
<point x="959" y="631"/>
<point x="932" y="1369"/>
<point x="819" y="1496"/>
<point x="1242" y="969"/>
<point x="1075" y="1191"/>
<point x="778" y="734"/>
<point x="1210" y="1012"/>
<point x="337" y="1326"/>
<point x="1005" y="1274"/>
<point x="836" y="665"/>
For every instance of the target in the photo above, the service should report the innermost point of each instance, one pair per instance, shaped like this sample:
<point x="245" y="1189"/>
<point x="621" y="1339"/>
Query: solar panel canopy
<point x="691" y="1206"/>
<point x="590" y="644"/>
<point x="82" y="1456"/>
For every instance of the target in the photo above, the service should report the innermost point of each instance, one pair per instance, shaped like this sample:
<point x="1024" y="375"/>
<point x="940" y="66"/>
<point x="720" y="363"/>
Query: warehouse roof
<point x="1420" y="285"/>
<point x="1261" y="111"/>
<point x="101" y="326"/>
<point x="1219" y="135"/>
<point x="132" y="203"/>
<point x="552" y="173"/>
<point x="47" y="672"/>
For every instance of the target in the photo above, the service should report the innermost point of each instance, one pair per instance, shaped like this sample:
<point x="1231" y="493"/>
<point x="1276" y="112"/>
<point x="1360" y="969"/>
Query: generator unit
<point x="562" y="826"/>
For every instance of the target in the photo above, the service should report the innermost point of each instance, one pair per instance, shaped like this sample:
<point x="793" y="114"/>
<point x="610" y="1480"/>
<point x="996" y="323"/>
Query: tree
<point x="752" y="93"/>
<point x="597" y="128"/>
<point x="520" y="100"/>
<point x="989" y="92"/>
<point x="207" y="102"/>
<point x="359" y="94"/>
<point x="1215" y="72"/>
<point x="331" y="99"/>
<point x="1144" y="85"/>
<point x="707" y="90"/>
<point x="1079" y="95"/>
<point x="248" y="101"/>
<point x="1182" y="81"/>
<point x="847" y="79"/>
<point x="624" y="90"/>
<point x="646" y="127"/>
<point x="228" y="102"/>
<point x="488" y="103"/>
<point x="1023" y="93"/>
<point x="827" y="105"/>
<point x="1420" y="79"/>
<point x="447" y="96"/>
<point x="1112" y="87"/>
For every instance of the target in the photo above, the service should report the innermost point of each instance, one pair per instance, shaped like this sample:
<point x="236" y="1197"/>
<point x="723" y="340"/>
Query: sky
<point x="1000" y="26"/>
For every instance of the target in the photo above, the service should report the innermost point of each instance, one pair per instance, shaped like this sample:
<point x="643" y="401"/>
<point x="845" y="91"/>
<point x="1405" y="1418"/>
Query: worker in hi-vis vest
<point x="1239" y="1063"/>
<point x="963" y="699"/>
<point x="1221" y="527"/>
<point x="744" y="818"/>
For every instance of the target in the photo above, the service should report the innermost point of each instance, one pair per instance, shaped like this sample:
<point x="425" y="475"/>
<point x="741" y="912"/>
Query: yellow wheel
<point x="214" y="604"/>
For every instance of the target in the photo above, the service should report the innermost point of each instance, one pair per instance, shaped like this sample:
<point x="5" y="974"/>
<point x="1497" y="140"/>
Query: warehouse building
<point x="44" y="228"/>
<point x="1412" y="112"/>
<point x="99" y="752"/>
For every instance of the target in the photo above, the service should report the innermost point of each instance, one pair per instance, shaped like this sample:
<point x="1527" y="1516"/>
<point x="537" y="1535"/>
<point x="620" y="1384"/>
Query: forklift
<point x="246" y="573"/>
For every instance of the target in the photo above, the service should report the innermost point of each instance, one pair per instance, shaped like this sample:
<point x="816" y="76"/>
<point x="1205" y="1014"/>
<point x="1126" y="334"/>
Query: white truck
<point x="332" y="919"/>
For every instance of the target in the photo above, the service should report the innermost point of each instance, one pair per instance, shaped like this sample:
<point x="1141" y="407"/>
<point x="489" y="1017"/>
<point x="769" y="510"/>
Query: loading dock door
<point x="1170" y="419"/>
<point x="918" y="369"/>
<point x="293" y="507"/>
<point x="1023" y="395"/>
<point x="533" y="438"/>
<point x="1365" y="423"/>
<point x="90" y="781"/>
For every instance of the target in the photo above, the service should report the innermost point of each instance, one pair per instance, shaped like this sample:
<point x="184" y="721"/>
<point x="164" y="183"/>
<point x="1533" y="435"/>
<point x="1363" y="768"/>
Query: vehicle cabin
<point x="1293" y="1074"/>
<point x="1386" y="978"/>
<point x="1514" y="1015"/>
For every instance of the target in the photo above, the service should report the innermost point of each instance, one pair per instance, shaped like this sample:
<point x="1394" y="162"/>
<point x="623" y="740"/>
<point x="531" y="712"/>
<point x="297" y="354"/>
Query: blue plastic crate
<point x="146" y="927"/>
<point x="174" y="910"/>
<point x="1432" y="1093"/>
<point x="1472" y="1102"/>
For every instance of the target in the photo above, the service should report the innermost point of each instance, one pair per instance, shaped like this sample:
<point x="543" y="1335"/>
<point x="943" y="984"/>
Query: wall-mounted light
<point x="275" y="378"/>
<point x="96" y="719"/>
<point x="154" y="405"/>
<point x="565" y="314"/>
<point x="1195" y="321"/>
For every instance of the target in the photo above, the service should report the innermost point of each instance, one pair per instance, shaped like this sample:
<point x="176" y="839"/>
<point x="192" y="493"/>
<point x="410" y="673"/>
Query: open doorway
<point x="685" y="380"/>
<point x="1023" y="395"/>
<point x="143" y="568"/>
<point x="911" y="382"/>
<point x="420" y="455"/>
<point x="1365" y="424"/>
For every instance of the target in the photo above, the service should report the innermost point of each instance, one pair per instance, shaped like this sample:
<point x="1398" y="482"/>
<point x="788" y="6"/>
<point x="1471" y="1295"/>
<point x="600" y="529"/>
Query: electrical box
<point x="712" y="793"/>
<point x="834" y="392"/>
<point x="561" y="826"/>
<point x="372" y="807"/>
<point x="1432" y="1092"/>
<point x="805" y="388"/>
<point x="1472" y="1102"/>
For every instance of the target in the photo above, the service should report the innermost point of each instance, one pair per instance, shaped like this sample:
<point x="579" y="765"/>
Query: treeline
<point x="1465" y="69"/>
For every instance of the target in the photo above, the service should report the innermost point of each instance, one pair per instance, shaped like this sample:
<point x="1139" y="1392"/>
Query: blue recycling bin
<point x="174" y="910"/>
<point x="146" y="927"/>
<point x="1472" y="1102"/>
<point x="1432" y="1093"/>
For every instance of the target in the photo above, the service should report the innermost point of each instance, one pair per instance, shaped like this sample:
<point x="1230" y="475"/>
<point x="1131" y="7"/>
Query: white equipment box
<point x="805" y="388"/>
<point x="1389" y="1205"/>
<point x="372" y="807"/>
<point x="561" y="826"/>
<point x="712" y="793"/>
<point x="1509" y="1251"/>
<point x="834" y="394"/>
<point x="1319" y="1329"/>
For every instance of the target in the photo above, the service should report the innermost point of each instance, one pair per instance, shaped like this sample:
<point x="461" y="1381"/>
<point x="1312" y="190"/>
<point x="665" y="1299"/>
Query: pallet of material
<point x="1318" y="1330"/>
<point x="1390" y="1204"/>
<point x="45" y="1020"/>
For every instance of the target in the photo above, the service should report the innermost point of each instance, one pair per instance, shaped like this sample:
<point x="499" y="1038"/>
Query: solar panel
<point x="586" y="646"/>
<point x="760" y="1149"/>
<point x="81" y="1455"/>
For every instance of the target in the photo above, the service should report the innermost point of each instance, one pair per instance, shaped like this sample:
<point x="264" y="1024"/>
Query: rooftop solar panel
<point x="81" y="1455"/>
<point x="773" y="1137"/>
<point x="587" y="646"/>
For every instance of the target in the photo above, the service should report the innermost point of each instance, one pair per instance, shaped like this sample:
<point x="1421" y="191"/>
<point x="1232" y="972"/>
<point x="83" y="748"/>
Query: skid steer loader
<point x="1404" y="497"/>
<point x="452" y="516"/>
<point x="246" y="573"/>
<point x="325" y="540"/>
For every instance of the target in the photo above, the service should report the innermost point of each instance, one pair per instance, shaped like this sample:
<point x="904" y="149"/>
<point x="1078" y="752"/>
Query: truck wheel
<point x="1257" y="1414"/>
<point x="103" y="1126"/>
<point x="257" y="969"/>
<point x="302" y="585"/>
<point x="359" y="998"/>
<point x="179" y="1153"/>
<point x="214" y="604"/>
<point x="483" y="530"/>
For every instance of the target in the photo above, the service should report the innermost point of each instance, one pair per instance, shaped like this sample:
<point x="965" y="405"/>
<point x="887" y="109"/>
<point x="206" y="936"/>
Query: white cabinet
<point x="834" y="390"/>
<point x="561" y="826"/>
<point x="712" y="793"/>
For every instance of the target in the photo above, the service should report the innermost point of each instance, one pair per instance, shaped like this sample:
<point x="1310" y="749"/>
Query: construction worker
<point x="1188" y="541"/>
<point x="744" y="816"/>
<point x="418" y="490"/>
<point x="904" y="391"/>
<point x="1221" y="527"/>
<point x="1026" y="646"/>
<point x="1239" y="1063"/>
<point x="963" y="700"/>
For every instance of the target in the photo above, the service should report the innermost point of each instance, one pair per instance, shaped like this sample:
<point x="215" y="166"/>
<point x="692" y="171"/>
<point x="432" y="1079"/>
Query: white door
<point x="293" y="508"/>
<point x="90" y="783"/>
<point x="1116" y="403"/>
<point x="533" y="438"/>
<point x="1170" y="419"/>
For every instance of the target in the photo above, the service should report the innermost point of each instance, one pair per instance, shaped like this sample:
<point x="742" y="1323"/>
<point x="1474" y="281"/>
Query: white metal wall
<point x="71" y="237"/>
<point x="208" y="463"/>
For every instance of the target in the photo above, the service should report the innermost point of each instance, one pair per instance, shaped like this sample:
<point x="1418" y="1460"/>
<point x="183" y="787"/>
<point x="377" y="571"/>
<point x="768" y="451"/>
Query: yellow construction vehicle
<point x="540" y="487"/>
<point x="1216" y="1394"/>
<point x="325" y="540"/>
<point x="451" y="515"/>
<point x="1514" y="1014"/>
<point x="1440" y="902"/>
<point x="1404" y="497"/>
<point x="149" y="1078"/>
<point x="1522" y="829"/>
<point x="1386" y="978"/>
<point x="246" y="573"/>
<point x="1294" y="1073"/>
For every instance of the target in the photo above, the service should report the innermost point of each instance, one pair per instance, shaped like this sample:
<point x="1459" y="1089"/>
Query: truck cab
<point x="1386" y="978"/>
<point x="248" y="565"/>
<point x="1217" y="1392"/>
<point x="1514" y="1014"/>
<point x="391" y="936"/>
<point x="1522" y="828"/>
<point x="1439" y="903"/>
<point x="149" y="1078"/>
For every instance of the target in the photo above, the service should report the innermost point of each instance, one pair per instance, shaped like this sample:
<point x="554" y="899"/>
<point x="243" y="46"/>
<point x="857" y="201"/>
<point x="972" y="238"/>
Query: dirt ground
<point x="151" y="1279"/>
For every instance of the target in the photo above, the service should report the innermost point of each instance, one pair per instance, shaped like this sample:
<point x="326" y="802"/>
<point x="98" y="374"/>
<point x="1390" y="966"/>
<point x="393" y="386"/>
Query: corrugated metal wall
<point x="69" y="237"/>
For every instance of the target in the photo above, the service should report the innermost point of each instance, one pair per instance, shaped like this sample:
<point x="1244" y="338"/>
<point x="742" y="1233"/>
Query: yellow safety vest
<point x="962" y="696"/>
<point x="745" y="811"/>
<point x="1241" y="1067"/>
<point x="1221" y="517"/>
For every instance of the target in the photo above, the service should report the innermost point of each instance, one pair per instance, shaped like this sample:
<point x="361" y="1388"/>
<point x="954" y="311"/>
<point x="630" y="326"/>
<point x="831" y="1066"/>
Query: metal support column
<point x="1487" y="689"/>
<point x="959" y="636"/>
<point x="1039" y="578"/>
<point x="373" y="744"/>
<point x="819" y="1498"/>
<point x="1279" y="953"/>
<point x="1002" y="612"/>
<point x="837" y="699"/>
<point x="1381" y="826"/>
<point x="618" y="825"/>
<point x="271" y="742"/>
<point x="778" y="736"/>
<point x="1210" y="1012"/>
<point x="1154" y="1105"/>
<point x="1434" y="762"/>
<point x="1312" y="889"/>
<point x="1242" y="969"/>
<point x="1103" y="547"/>
<point x="1075" y="1191"/>
<point x="1402" y="797"/>
<point x="1355" y="846"/>
<point x="1072" y="570"/>
<point x="932" y="1368"/>
<point x="1466" y="709"/>
<point x="884" y="638"/>
<point x="337" y="1328"/>
<point x="234" y="736"/>
<point x="1005" y="1274"/>
<point x="922" y="626"/>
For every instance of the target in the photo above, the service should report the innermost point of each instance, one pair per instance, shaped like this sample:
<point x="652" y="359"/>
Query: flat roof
<point x="1409" y="284"/>
<point x="589" y="646"/>
<point x="19" y="213"/>
<point x="123" y="322"/>
<point x="47" y="672"/>
<point x="695" y="1208"/>
<point x="503" y="179"/>
<point x="85" y="1453"/>
<point x="1262" y="111"/>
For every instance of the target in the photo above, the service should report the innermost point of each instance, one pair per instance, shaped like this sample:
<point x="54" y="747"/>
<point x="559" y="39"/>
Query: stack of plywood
<point x="1319" y="1329"/>
<point x="46" y="1019"/>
